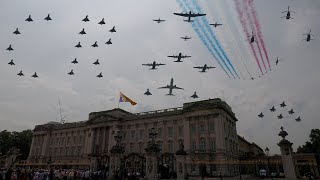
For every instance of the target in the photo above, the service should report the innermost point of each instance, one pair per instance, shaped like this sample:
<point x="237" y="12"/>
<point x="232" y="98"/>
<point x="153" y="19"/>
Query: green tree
<point x="312" y="146"/>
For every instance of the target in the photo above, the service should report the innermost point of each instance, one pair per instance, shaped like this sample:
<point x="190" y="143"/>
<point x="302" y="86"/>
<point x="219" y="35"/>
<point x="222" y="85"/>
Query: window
<point x="132" y="134"/>
<point x="140" y="147"/>
<point x="194" y="146"/>
<point x="170" y="147"/>
<point x="141" y="133"/>
<point x="180" y="131"/>
<point x="131" y="147"/>
<point x="211" y="145"/>
<point x="211" y="127"/>
<point x="202" y="128"/>
<point x="160" y="145"/>
<point x="160" y="132"/>
<point x="193" y="128"/>
<point x="170" y="131"/>
<point x="202" y="144"/>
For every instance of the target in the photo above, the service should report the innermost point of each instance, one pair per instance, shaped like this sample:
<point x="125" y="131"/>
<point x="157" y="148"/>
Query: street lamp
<point x="268" y="167"/>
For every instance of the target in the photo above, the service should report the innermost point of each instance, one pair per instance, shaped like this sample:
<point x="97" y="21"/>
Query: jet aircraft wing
<point x="167" y="86"/>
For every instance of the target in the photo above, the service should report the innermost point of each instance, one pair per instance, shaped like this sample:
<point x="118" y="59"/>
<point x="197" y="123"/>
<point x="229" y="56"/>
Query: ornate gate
<point x="135" y="163"/>
<point x="166" y="165"/>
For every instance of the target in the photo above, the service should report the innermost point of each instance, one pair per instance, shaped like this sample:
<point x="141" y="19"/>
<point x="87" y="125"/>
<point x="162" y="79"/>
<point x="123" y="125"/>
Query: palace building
<point x="194" y="139"/>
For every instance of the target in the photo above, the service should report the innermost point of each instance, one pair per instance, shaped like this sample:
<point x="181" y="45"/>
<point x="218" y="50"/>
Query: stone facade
<point x="207" y="130"/>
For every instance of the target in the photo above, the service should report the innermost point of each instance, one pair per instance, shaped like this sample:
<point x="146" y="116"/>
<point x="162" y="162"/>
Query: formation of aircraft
<point x="170" y="87"/>
<point x="308" y="36"/>
<point x="153" y="65"/>
<point x="179" y="57"/>
<point x="280" y="116"/>
<point x="189" y="15"/>
<point x="216" y="24"/>
<point x="148" y="93"/>
<point x="204" y="68"/>
<point x="185" y="38"/>
<point x="159" y="20"/>
<point x="288" y="15"/>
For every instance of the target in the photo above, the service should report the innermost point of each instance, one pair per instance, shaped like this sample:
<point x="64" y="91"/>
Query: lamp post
<point x="268" y="167"/>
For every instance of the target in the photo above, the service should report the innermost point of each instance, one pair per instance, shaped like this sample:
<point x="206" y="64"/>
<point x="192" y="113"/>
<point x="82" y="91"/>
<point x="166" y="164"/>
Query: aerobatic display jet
<point x="113" y="29"/>
<point x="148" y="93"/>
<point x="215" y="24"/>
<point x="82" y="32"/>
<point x="308" y="36"/>
<point x="153" y="65"/>
<point x="9" y="48"/>
<point x="204" y="68"/>
<point x="16" y="32"/>
<point x="261" y="115"/>
<point x="298" y="119"/>
<point x="78" y="45"/>
<point x="194" y="95"/>
<point x="291" y="111"/>
<point x="11" y="62"/>
<point x="102" y="22"/>
<point x="179" y="56"/>
<point x="283" y="104"/>
<point x="189" y="15"/>
<point x="75" y="61"/>
<point x="109" y="42"/>
<point x="71" y="72"/>
<point x="34" y="75"/>
<point x="159" y="20"/>
<point x="29" y="19"/>
<point x="95" y="44"/>
<point x="273" y="109"/>
<point x="96" y="62"/>
<point x="86" y="19"/>
<point x="280" y="116"/>
<point x="20" y="74"/>
<point x="277" y="61"/>
<point x="185" y="38"/>
<point x="99" y="75"/>
<point x="288" y="16"/>
<point x="170" y="87"/>
<point x="48" y="18"/>
<point x="252" y="38"/>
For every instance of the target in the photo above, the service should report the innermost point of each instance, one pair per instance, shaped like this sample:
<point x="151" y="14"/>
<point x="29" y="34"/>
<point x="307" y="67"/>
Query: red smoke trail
<point x="245" y="29"/>
<point x="256" y="22"/>
<point x="252" y="25"/>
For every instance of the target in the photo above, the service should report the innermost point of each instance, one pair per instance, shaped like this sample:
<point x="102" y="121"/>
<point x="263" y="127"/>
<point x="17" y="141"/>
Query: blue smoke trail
<point x="206" y="23"/>
<point x="202" y="39"/>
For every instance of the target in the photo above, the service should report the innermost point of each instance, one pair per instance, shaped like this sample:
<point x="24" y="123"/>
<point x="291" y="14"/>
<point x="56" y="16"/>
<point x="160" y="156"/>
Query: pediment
<point x="102" y="118"/>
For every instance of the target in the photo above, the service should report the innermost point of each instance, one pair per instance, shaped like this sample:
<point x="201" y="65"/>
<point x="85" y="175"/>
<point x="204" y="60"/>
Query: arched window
<point x="202" y="144"/>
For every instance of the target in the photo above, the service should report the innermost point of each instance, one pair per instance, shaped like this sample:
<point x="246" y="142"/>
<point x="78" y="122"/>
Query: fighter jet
<point x="99" y="75"/>
<point x="102" y="22"/>
<point x="280" y="116"/>
<point x="153" y="65"/>
<point x="189" y="15"/>
<point x="20" y="74"/>
<point x="113" y="29"/>
<point x="195" y="95"/>
<point x="215" y="24"/>
<point x="288" y="16"/>
<point x="11" y="62"/>
<point x="277" y="61"/>
<point x="251" y="38"/>
<point x="159" y="20"/>
<point x="34" y="75"/>
<point x="148" y="93"/>
<point x="75" y="61"/>
<point x="82" y="32"/>
<point x="29" y="19"/>
<point x="261" y="115"/>
<point x="86" y="19"/>
<point x="179" y="56"/>
<point x="71" y="72"/>
<point x="109" y="42"/>
<point x="95" y="44"/>
<point x="16" y="32"/>
<point x="204" y="68"/>
<point x="9" y="48"/>
<point x="96" y="62"/>
<point x="78" y="45"/>
<point x="291" y="111"/>
<point x="48" y="18"/>
<point x="308" y="36"/>
<point x="185" y="38"/>
<point x="273" y="109"/>
<point x="170" y="87"/>
<point x="298" y="119"/>
<point x="283" y="104"/>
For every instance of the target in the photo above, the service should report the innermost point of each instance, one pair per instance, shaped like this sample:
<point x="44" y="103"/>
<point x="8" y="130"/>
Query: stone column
<point x="286" y="154"/>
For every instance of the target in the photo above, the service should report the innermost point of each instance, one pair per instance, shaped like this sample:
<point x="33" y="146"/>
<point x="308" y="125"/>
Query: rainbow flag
<point x="124" y="98"/>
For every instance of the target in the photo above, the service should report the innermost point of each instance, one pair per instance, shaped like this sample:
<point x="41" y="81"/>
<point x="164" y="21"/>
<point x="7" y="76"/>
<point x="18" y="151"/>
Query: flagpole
<point x="119" y="101"/>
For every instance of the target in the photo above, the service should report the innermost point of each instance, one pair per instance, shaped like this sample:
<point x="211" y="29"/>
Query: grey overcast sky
<point x="48" y="48"/>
